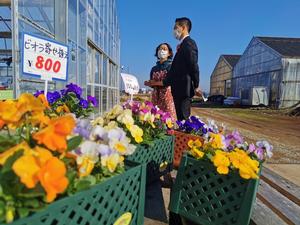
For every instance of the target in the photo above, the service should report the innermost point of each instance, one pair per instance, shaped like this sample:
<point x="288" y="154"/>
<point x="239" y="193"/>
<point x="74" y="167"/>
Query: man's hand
<point x="198" y="92"/>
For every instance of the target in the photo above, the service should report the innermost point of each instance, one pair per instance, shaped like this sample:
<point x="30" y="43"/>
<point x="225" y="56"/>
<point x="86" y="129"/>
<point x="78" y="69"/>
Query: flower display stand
<point x="158" y="157"/>
<point x="104" y="203"/>
<point x="181" y="140"/>
<point x="205" y="197"/>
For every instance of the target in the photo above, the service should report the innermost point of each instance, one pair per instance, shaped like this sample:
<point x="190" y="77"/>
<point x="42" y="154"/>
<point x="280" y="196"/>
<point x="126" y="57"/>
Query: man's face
<point x="178" y="31"/>
<point x="178" y="27"/>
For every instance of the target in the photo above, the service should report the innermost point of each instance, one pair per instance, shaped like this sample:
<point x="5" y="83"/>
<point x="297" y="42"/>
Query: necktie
<point x="177" y="47"/>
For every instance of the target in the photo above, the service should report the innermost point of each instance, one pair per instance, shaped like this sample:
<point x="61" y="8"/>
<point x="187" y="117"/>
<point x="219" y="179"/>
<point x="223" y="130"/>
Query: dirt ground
<point x="282" y="131"/>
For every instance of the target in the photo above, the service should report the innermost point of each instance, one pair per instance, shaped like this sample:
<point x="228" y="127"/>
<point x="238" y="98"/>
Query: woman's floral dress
<point x="162" y="96"/>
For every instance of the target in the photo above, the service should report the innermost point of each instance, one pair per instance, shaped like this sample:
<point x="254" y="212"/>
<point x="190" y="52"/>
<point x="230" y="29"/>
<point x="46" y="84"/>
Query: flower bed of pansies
<point x="50" y="150"/>
<point x="225" y="150"/>
<point x="218" y="176"/>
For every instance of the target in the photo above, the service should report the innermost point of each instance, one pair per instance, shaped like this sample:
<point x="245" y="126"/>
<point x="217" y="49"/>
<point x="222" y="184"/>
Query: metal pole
<point x="15" y="47"/>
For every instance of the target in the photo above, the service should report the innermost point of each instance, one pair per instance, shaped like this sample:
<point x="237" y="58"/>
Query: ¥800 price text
<point x="47" y="64"/>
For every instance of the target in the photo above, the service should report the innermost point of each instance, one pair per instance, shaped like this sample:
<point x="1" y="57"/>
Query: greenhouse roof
<point x="232" y="59"/>
<point x="287" y="47"/>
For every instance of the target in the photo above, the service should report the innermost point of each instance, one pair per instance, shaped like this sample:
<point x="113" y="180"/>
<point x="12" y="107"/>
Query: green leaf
<point x="7" y="141"/>
<point x="32" y="203"/>
<point x="2" y="209"/>
<point x="38" y="191"/>
<point x="74" y="142"/>
<point x="85" y="183"/>
<point x="10" y="161"/>
<point x="23" y="212"/>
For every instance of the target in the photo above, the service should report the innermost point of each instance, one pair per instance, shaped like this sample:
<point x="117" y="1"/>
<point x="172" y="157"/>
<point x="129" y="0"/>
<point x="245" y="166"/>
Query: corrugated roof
<point x="232" y="59"/>
<point x="287" y="47"/>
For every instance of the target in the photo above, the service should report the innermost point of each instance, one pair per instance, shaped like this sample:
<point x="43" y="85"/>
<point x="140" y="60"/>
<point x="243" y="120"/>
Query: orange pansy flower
<point x="9" y="152"/>
<point x="26" y="168"/>
<point x="54" y="136"/>
<point x="52" y="178"/>
<point x="44" y="100"/>
<point x="2" y="123"/>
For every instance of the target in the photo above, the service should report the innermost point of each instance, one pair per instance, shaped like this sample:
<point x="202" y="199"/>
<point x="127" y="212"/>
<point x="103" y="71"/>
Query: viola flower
<point x="53" y="178"/>
<point x="221" y="161"/>
<point x="111" y="161"/>
<point x="251" y="148"/>
<point x="264" y="149"/>
<point x="83" y="128"/>
<point x="232" y="140"/>
<point x="2" y="123"/>
<point x="26" y="168"/>
<point x="217" y="141"/>
<point x="74" y="88"/>
<point x="9" y="152"/>
<point x="84" y="103"/>
<point x="43" y="100"/>
<point x="53" y="96"/>
<point x="63" y="108"/>
<point x="86" y="167"/>
<point x="54" y="136"/>
<point x="38" y="93"/>
<point x="93" y="100"/>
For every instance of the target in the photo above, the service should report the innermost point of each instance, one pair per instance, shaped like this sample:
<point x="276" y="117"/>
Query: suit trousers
<point x="183" y="107"/>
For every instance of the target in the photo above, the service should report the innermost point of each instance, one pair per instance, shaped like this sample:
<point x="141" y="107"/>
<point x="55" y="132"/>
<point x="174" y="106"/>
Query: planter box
<point x="205" y="197"/>
<point x="181" y="140"/>
<point x="104" y="203"/>
<point x="160" y="152"/>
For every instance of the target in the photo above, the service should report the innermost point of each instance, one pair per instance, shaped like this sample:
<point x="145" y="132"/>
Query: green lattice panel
<point x="205" y="197"/>
<point x="102" y="204"/>
<point x="161" y="151"/>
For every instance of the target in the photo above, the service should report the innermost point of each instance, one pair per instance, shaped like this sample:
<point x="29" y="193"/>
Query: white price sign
<point x="131" y="83"/>
<point x="45" y="58"/>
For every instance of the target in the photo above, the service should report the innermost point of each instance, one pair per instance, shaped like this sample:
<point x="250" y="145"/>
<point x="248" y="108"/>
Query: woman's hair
<point x="169" y="48"/>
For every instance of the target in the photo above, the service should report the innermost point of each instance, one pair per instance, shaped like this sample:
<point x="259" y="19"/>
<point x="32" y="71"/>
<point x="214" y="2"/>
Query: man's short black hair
<point x="184" y="21"/>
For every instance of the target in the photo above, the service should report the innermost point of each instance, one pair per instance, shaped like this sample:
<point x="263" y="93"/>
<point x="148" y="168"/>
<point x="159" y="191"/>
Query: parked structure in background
<point x="268" y="72"/>
<point x="89" y="28"/>
<point x="220" y="79"/>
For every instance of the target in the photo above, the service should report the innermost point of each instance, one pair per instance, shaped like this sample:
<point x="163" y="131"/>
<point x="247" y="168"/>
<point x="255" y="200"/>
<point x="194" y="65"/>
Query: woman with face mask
<point x="162" y="96"/>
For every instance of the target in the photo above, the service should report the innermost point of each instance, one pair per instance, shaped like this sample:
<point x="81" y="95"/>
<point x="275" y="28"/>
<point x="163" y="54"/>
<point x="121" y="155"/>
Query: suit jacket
<point x="183" y="76"/>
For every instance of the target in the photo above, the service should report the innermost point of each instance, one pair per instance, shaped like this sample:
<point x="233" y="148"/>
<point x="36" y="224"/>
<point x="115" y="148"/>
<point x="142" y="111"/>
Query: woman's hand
<point x="147" y="83"/>
<point x="153" y="83"/>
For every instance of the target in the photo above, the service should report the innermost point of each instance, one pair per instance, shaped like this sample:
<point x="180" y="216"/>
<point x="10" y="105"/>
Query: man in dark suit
<point x="183" y="77"/>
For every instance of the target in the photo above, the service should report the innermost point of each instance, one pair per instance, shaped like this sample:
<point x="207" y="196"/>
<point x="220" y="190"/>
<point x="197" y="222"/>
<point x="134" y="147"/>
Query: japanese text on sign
<point x="44" y="58"/>
<point x="131" y="83"/>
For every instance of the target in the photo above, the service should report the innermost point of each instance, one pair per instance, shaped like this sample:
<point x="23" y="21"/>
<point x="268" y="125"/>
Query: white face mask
<point x="177" y="34"/>
<point x="162" y="54"/>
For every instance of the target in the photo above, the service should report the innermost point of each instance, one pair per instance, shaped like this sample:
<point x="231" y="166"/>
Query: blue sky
<point x="219" y="27"/>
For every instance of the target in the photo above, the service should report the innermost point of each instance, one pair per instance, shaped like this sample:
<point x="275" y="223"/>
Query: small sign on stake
<point x="44" y="58"/>
<point x="131" y="84"/>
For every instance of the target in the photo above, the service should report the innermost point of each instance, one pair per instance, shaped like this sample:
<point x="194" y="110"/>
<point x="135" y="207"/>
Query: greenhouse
<point x="89" y="28"/>
<point x="270" y="65"/>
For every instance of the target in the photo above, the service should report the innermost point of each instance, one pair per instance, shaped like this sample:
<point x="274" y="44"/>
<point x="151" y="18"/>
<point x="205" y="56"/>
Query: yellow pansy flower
<point x="197" y="143"/>
<point x="197" y="153"/>
<point x="86" y="167"/>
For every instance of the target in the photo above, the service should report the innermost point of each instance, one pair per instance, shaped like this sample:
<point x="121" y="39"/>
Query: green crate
<point x="205" y="197"/>
<point x="103" y="204"/>
<point x="161" y="151"/>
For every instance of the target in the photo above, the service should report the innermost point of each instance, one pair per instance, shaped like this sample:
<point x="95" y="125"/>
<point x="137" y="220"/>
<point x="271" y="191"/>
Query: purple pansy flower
<point x="74" y="88"/>
<point x="38" y="92"/>
<point x="93" y="100"/>
<point x="84" y="103"/>
<point x="83" y="128"/>
<point x="53" y="96"/>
